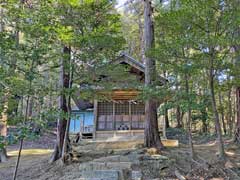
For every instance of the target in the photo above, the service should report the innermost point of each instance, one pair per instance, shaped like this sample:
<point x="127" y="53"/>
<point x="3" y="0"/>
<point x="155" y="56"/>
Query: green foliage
<point x="30" y="48"/>
<point x="188" y="34"/>
<point x="132" y="27"/>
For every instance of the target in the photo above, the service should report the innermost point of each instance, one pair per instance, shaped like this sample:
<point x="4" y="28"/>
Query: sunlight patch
<point x="31" y="152"/>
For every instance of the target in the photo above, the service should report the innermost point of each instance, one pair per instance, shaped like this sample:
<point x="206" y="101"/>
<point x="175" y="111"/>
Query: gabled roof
<point x="125" y="58"/>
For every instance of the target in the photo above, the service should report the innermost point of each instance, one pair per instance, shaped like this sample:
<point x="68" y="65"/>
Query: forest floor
<point x="36" y="154"/>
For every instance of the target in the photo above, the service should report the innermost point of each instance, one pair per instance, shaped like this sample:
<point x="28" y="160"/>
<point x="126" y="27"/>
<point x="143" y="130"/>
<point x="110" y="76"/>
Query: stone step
<point x="100" y="175"/>
<point x="136" y="175"/>
<point x="123" y="175"/>
<point x="104" y="166"/>
<point x="94" y="179"/>
<point x="119" y="158"/>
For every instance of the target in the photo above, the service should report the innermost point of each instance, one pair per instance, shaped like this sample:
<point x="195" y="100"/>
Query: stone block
<point x="136" y="175"/>
<point x="100" y="175"/>
<point x="104" y="165"/>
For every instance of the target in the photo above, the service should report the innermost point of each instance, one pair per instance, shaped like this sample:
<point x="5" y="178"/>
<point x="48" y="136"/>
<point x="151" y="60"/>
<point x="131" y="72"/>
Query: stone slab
<point x="104" y="165"/>
<point x="101" y="174"/>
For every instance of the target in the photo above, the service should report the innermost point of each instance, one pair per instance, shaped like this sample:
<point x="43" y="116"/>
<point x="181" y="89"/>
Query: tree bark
<point x="141" y="38"/>
<point x="166" y="118"/>
<point x="204" y="127"/>
<point x="3" y="127"/>
<point x="4" y="115"/>
<point x="178" y="112"/>
<point x="151" y="134"/>
<point x="62" y="121"/>
<point x="237" y="76"/>
<point x="22" y="138"/>
<point x="237" y="132"/>
<point x="189" y="118"/>
<point x="215" y="111"/>
<point x="230" y="113"/>
<point x="178" y="117"/>
<point x="30" y="107"/>
<point x="66" y="143"/>
<point x="18" y="159"/>
<point x="204" y="120"/>
<point x="222" y="112"/>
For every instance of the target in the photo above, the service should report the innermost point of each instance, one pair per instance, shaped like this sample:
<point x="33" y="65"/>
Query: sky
<point x="120" y="2"/>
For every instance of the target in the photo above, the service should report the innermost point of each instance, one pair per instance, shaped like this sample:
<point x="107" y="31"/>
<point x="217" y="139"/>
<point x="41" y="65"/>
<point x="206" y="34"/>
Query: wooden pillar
<point x="74" y="122"/>
<point x="81" y="127"/>
<point x="130" y="115"/>
<point x="95" y="113"/>
<point x="83" y="120"/>
<point x="114" y="117"/>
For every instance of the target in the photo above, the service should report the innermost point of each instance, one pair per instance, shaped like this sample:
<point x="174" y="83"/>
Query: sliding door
<point x="121" y="115"/>
<point x="105" y="116"/>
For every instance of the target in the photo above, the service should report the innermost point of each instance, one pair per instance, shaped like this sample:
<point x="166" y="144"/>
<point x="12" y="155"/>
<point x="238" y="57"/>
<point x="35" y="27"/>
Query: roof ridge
<point x="134" y="60"/>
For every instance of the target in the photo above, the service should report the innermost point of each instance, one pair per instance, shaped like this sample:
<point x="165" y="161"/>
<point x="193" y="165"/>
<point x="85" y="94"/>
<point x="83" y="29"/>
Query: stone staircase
<point x="100" y="175"/>
<point x="103" y="161"/>
<point x="115" y="167"/>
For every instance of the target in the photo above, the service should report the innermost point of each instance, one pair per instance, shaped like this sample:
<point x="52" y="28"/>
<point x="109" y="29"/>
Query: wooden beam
<point x="121" y="94"/>
<point x="95" y="113"/>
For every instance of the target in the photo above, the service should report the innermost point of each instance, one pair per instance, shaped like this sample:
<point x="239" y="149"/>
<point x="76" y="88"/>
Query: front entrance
<point x="120" y="115"/>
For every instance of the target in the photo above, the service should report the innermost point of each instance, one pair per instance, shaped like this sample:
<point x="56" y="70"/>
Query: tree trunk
<point x="62" y="121"/>
<point x="222" y="112"/>
<point x="178" y="117"/>
<point x="4" y="115"/>
<point x="178" y="110"/>
<point x="18" y="159"/>
<point x="204" y="120"/>
<point x="166" y="109"/>
<point x="3" y="127"/>
<point x="141" y="38"/>
<point x="237" y="132"/>
<point x="66" y="143"/>
<point x="151" y="134"/>
<point x="21" y="140"/>
<point x="50" y="103"/>
<point x="189" y="118"/>
<point x="181" y="118"/>
<point x="166" y="118"/>
<point x="230" y="116"/>
<point x="204" y="127"/>
<point x="30" y="107"/>
<point x="215" y="111"/>
<point x="237" y="64"/>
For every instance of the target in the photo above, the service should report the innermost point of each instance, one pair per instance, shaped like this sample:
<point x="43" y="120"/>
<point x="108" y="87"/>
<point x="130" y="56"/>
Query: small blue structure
<point x="82" y="121"/>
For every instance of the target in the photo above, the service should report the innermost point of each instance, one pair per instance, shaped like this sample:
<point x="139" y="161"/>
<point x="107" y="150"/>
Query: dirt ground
<point x="34" y="162"/>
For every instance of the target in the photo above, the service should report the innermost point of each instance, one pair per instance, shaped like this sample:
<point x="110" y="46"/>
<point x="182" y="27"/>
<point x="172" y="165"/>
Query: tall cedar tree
<point x="152" y="138"/>
<point x="237" y="131"/>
